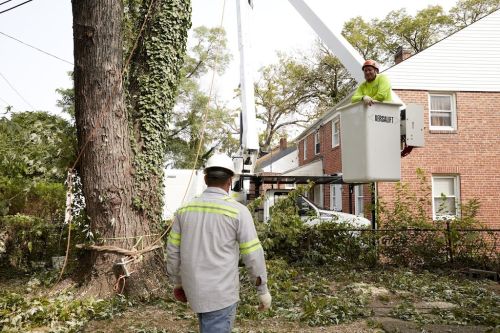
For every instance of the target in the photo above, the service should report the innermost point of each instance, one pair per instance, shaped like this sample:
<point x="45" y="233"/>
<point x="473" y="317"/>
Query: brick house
<point x="457" y="81"/>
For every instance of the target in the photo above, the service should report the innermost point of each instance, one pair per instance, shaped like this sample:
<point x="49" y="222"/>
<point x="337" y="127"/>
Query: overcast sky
<point x="29" y="78"/>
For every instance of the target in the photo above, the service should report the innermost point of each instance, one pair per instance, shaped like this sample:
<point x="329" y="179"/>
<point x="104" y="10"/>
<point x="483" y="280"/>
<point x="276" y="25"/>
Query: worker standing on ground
<point x="376" y="87"/>
<point x="207" y="237"/>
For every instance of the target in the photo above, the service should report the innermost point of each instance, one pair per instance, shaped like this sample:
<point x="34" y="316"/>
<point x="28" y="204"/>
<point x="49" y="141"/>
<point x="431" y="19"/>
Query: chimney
<point x="283" y="143"/>
<point x="401" y="55"/>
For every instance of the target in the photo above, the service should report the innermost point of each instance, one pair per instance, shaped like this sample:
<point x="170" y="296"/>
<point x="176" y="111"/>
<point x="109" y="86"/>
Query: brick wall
<point x="472" y="152"/>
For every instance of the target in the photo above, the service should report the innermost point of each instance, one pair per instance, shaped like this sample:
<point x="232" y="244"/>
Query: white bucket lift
<point x="370" y="141"/>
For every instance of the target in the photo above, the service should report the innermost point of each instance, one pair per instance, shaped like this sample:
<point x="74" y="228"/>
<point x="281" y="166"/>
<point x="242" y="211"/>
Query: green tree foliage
<point x="208" y="53"/>
<point x="295" y="91"/>
<point x="330" y="81"/>
<point x="36" y="149"/>
<point x="417" y="32"/>
<point x="380" y="38"/>
<point x="284" y="97"/>
<point x="466" y="12"/>
<point x="67" y="99"/>
<point x="365" y="37"/>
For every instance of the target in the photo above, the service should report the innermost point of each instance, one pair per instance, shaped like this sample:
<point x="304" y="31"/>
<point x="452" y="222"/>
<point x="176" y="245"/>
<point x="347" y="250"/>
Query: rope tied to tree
<point x="116" y="249"/>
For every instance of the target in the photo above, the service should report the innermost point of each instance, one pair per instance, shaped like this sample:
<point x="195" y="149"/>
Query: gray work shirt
<point x="203" y="249"/>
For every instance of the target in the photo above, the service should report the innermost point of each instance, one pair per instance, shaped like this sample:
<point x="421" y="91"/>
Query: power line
<point x="1" y="3"/>
<point x="14" y="6"/>
<point x="36" y="48"/>
<point x="18" y="94"/>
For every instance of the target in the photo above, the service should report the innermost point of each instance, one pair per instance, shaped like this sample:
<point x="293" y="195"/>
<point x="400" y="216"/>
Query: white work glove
<point x="367" y="100"/>
<point x="265" y="301"/>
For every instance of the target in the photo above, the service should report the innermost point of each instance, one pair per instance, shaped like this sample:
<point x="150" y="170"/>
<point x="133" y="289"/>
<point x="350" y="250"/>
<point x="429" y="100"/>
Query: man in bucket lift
<point x="376" y="87"/>
<point x="203" y="248"/>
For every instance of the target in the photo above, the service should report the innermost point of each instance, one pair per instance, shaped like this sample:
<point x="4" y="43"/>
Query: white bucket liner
<point x="370" y="142"/>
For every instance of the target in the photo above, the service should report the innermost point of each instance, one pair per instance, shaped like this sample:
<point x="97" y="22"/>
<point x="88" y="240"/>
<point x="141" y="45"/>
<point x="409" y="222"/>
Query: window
<point x="336" y="197"/>
<point x="359" y="205"/>
<point x="335" y="132"/>
<point x="445" y="196"/>
<point x="316" y="143"/>
<point x="442" y="112"/>
<point x="318" y="195"/>
<point x="305" y="148"/>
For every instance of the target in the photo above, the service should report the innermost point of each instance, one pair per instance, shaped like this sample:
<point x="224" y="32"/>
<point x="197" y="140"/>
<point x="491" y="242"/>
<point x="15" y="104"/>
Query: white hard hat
<point x="219" y="160"/>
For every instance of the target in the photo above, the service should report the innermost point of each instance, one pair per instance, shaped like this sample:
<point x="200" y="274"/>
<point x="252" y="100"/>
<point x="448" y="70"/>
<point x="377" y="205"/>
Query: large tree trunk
<point x="106" y="165"/>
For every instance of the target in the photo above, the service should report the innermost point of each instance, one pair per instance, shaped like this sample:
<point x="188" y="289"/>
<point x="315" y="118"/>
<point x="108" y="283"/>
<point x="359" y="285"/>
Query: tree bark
<point x="106" y="164"/>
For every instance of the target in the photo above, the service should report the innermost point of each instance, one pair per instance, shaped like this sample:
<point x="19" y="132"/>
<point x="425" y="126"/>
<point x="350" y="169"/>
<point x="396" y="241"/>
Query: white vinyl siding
<point x="442" y="112"/>
<point x="335" y="132"/>
<point x="445" y="196"/>
<point x="336" y="197"/>
<point x="359" y="205"/>
<point x="464" y="61"/>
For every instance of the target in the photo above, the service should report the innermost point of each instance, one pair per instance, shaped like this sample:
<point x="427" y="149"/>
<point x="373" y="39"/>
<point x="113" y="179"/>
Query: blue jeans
<point x="219" y="321"/>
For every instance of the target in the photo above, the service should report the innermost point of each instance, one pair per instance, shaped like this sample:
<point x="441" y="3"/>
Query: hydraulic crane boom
<point x="249" y="144"/>
<point x="343" y="50"/>
<point x="249" y="147"/>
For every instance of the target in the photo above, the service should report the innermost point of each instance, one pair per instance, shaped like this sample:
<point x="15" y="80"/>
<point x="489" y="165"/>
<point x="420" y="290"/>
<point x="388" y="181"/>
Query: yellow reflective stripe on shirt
<point x="174" y="238"/>
<point x="251" y="246"/>
<point x="231" y="199"/>
<point x="209" y="207"/>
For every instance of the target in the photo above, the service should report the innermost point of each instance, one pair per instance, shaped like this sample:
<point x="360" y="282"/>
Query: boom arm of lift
<point x="349" y="57"/>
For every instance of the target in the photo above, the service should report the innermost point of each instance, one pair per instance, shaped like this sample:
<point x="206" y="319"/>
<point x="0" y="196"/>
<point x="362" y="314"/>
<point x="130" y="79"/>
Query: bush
<point x="407" y="236"/>
<point x="30" y="240"/>
<point x="43" y="199"/>
<point x="412" y="239"/>
<point x="286" y="237"/>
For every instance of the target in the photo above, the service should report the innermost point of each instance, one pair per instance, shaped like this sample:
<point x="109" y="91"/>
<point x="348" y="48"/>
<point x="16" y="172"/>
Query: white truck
<point x="309" y="212"/>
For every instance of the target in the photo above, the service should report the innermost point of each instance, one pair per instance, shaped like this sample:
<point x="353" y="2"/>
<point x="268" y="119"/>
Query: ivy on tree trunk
<point x="120" y="167"/>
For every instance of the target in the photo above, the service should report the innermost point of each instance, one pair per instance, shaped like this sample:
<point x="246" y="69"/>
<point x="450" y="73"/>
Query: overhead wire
<point x="1" y="3"/>
<point x="17" y="92"/>
<point x="36" y="48"/>
<point x="3" y="11"/>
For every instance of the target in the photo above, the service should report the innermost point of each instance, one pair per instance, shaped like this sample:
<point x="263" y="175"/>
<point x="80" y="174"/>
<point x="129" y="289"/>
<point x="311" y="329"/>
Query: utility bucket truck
<point x="363" y="130"/>
<point x="181" y="185"/>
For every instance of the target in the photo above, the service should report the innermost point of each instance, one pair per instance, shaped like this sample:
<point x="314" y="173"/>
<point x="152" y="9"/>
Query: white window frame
<point x="456" y="195"/>
<point x="335" y="135"/>
<point x="305" y="148"/>
<point x="336" y="197"/>
<point x="453" y="112"/>
<point x="318" y="195"/>
<point x="317" y="143"/>
<point x="359" y="203"/>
